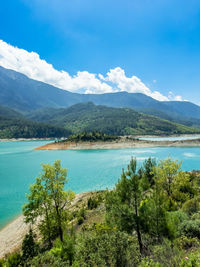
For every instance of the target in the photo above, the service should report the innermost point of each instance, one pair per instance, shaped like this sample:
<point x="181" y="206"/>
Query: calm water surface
<point x="169" y="138"/>
<point x="87" y="169"/>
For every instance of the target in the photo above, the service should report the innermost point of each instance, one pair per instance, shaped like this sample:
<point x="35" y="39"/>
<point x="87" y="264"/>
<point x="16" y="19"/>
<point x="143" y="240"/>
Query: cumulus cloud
<point x="173" y="97"/>
<point x="30" y="64"/>
<point x="133" y="84"/>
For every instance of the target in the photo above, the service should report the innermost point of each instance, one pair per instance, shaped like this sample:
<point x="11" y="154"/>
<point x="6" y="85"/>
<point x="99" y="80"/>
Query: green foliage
<point x="23" y="128"/>
<point x="81" y="216"/>
<point x="191" y="228"/>
<point x="48" y="259"/>
<point x="148" y="167"/>
<point x="91" y="137"/>
<point x="48" y="199"/>
<point x="29" y="247"/>
<point x="93" y="202"/>
<point x="146" y="262"/>
<point x="174" y="183"/>
<point x="106" y="248"/>
<point x="191" y="206"/>
<point x="166" y="254"/>
<point x="2" y="262"/>
<point x="84" y="117"/>
<point x="13" y="260"/>
<point x="123" y="205"/>
<point x="150" y="199"/>
<point x="186" y="243"/>
<point x="152" y="219"/>
<point x="87" y="117"/>
<point x="64" y="250"/>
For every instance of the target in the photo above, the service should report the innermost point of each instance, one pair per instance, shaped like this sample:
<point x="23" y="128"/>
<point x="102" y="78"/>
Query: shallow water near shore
<point x="170" y="138"/>
<point x="87" y="169"/>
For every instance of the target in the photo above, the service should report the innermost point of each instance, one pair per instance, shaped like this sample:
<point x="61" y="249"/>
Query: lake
<point x="87" y="169"/>
<point x="169" y="138"/>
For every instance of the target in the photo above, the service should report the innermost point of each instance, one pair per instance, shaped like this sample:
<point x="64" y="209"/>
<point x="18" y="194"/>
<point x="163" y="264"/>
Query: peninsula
<point x="87" y="141"/>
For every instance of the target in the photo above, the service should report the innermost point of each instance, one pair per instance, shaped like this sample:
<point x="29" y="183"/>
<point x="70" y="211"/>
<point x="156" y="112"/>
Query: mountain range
<point x="39" y="101"/>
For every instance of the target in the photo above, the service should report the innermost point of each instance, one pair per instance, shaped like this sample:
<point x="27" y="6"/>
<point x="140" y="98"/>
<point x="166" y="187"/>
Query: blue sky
<point x="157" y="41"/>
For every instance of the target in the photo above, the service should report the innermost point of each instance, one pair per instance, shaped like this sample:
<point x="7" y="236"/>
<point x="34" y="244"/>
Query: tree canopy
<point x="47" y="200"/>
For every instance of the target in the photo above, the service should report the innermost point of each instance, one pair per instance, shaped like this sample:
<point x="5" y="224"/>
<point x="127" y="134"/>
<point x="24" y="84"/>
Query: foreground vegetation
<point x="151" y="218"/>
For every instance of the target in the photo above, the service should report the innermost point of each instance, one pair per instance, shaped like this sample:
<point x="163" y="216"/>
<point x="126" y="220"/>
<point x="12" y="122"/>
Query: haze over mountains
<point x="27" y="96"/>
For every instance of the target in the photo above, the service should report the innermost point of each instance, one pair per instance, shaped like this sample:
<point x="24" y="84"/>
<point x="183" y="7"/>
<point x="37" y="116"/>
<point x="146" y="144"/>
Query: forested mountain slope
<point x="19" y="92"/>
<point x="117" y="121"/>
<point x="14" y="125"/>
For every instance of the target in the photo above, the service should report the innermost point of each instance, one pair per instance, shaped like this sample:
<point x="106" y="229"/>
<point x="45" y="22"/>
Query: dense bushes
<point x="151" y="218"/>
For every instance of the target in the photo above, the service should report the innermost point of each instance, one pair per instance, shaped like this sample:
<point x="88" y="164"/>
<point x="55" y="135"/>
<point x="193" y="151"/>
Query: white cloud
<point x="30" y="64"/>
<point x="173" y="97"/>
<point x="132" y="85"/>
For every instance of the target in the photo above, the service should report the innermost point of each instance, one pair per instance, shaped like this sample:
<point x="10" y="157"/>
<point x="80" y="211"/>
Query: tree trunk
<point x="60" y="230"/>
<point x="138" y="227"/>
<point x="139" y="236"/>
<point x="48" y="228"/>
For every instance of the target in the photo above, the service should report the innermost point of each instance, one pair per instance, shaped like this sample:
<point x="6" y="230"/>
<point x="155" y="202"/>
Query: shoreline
<point x="26" y="139"/>
<point x="136" y="137"/>
<point x="13" y="233"/>
<point x="118" y="144"/>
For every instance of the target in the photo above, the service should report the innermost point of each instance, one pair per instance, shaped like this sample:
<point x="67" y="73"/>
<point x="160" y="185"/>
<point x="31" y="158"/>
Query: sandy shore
<point x="123" y="143"/>
<point x="12" y="235"/>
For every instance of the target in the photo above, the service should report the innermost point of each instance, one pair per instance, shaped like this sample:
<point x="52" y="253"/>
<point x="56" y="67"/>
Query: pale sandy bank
<point x="12" y="235"/>
<point x="123" y="143"/>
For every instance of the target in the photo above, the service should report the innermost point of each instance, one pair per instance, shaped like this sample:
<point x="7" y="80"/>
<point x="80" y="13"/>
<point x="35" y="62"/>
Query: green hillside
<point x="19" y="92"/>
<point x="14" y="125"/>
<point x="85" y="117"/>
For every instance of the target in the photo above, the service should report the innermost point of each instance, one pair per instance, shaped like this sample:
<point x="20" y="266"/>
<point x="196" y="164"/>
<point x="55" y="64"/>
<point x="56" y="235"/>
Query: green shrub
<point x="29" y="247"/>
<point x="185" y="242"/>
<point x="92" y="203"/>
<point x="64" y="251"/>
<point x="191" y="228"/>
<point x="191" y="206"/>
<point x="80" y="220"/>
<point x="82" y="213"/>
<point x="106" y="248"/>
<point x="195" y="216"/>
<point x="146" y="262"/>
<point x="47" y="259"/>
<point x="2" y="262"/>
<point x="14" y="260"/>
<point x="191" y="260"/>
<point x="166" y="254"/>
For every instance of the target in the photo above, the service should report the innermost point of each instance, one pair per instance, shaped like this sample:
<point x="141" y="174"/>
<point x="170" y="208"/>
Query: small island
<point x="98" y="140"/>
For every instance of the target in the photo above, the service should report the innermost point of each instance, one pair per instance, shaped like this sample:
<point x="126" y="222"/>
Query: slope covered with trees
<point x="151" y="218"/>
<point x="84" y="117"/>
<point x="21" y="93"/>
<point x="15" y="125"/>
<point x="115" y="121"/>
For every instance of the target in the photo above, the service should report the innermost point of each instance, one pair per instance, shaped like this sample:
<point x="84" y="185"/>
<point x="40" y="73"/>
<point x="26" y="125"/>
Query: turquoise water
<point x="87" y="169"/>
<point x="169" y="138"/>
